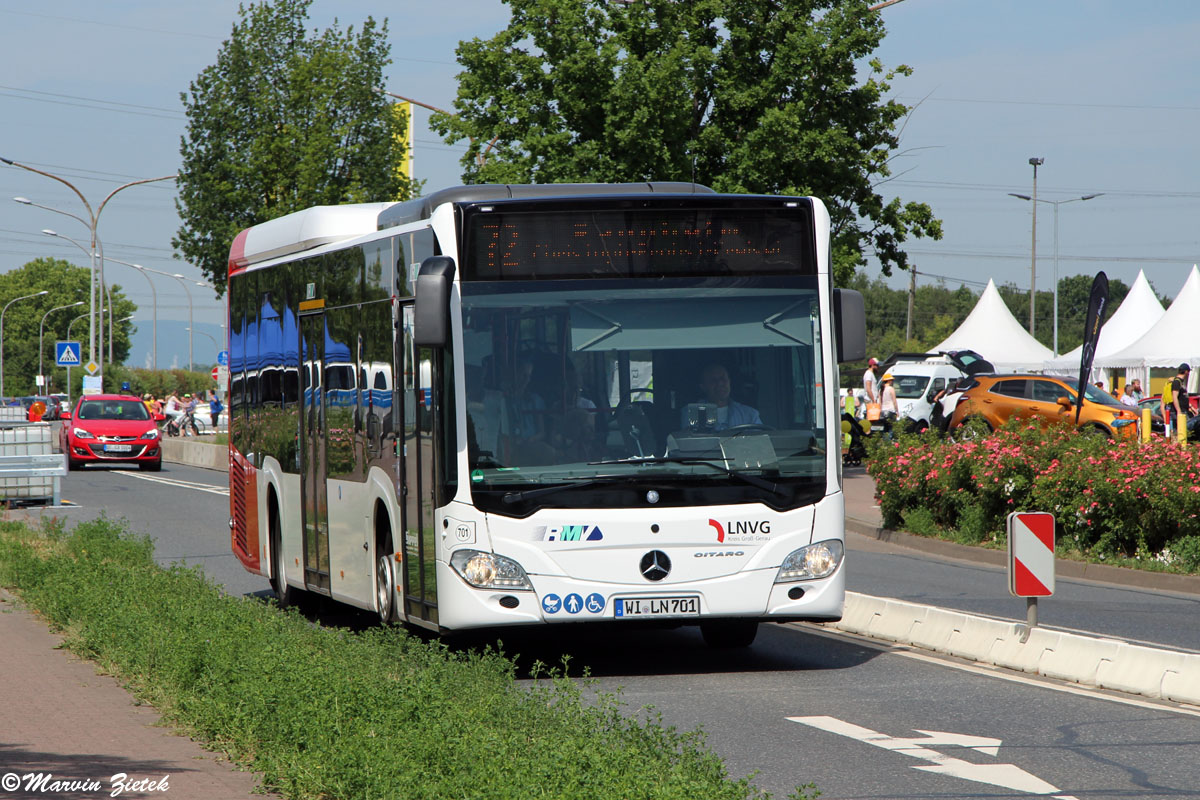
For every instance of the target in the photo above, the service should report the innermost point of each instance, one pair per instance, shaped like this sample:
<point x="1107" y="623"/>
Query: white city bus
<point x="517" y="405"/>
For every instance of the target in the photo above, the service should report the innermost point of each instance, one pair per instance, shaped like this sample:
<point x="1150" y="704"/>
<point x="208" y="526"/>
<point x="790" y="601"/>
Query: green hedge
<point x="1109" y="499"/>
<point x="324" y="712"/>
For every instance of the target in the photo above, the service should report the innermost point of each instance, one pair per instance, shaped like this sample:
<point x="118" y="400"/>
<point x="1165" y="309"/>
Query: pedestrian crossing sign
<point x="66" y="354"/>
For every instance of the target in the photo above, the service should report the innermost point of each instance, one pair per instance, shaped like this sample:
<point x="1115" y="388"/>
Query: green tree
<point x="763" y="96"/>
<point x="284" y="120"/>
<point x="65" y="284"/>
<point x="1074" y="294"/>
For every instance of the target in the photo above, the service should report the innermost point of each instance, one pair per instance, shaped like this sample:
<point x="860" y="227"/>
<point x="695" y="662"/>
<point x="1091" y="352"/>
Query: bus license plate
<point x="118" y="448"/>
<point x="688" y="606"/>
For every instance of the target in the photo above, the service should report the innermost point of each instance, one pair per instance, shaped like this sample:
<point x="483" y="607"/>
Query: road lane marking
<point x="991" y="671"/>
<point x="1008" y="776"/>
<point x="200" y="487"/>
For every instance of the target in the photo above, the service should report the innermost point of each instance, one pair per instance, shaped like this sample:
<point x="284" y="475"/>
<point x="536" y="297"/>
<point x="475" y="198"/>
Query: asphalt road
<point x="859" y="719"/>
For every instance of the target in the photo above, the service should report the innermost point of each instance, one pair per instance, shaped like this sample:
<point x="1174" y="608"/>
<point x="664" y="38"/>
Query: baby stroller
<point x="856" y="449"/>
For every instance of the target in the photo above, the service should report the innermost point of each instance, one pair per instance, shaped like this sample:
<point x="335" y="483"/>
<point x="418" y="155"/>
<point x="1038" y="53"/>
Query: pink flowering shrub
<point x="1108" y="498"/>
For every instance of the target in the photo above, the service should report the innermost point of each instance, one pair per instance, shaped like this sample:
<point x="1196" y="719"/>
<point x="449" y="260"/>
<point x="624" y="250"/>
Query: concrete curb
<point x="1093" y="661"/>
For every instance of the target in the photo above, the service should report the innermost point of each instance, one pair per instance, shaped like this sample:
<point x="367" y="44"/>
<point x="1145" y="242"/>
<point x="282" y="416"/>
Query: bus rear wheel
<point x="729" y="633"/>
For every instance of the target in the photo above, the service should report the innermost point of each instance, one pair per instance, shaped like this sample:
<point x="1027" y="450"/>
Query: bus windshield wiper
<point x="715" y="463"/>
<point x="529" y="494"/>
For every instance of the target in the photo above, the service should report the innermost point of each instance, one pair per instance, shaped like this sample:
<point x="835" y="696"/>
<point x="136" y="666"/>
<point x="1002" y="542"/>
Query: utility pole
<point x="912" y="293"/>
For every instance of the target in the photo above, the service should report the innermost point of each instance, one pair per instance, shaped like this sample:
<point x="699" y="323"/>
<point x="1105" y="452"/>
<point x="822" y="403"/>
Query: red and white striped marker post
<point x="1030" y="559"/>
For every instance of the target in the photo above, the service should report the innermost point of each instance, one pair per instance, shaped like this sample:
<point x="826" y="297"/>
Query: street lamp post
<point x="104" y="290"/>
<point x="182" y="282"/>
<point x="92" y="222"/>
<point x="1056" y="204"/>
<point x="1035" y="163"/>
<point x="41" y="335"/>
<point x="210" y="336"/>
<point x="191" y="339"/>
<point x="2" y="311"/>
<point x="153" y="294"/>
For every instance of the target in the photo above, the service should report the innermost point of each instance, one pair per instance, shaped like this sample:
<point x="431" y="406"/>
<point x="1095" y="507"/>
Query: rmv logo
<point x="571" y="533"/>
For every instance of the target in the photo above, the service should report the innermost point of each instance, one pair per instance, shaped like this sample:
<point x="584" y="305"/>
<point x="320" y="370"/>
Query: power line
<point x="1047" y="103"/>
<point x="1185" y="260"/>
<point x="174" y="111"/>
<point x="999" y="188"/>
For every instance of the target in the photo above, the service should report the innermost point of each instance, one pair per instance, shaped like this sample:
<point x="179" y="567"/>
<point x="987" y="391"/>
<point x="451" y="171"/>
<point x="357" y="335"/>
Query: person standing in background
<point x="215" y="406"/>
<point x="871" y="382"/>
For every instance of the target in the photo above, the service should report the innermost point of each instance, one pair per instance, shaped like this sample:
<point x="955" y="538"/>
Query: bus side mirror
<point x="850" y="324"/>
<point x="431" y="315"/>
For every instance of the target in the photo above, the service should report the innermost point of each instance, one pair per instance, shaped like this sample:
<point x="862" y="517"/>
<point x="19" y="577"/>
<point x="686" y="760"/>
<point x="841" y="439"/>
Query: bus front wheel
<point x="385" y="582"/>
<point x="284" y="595"/>
<point x="729" y="633"/>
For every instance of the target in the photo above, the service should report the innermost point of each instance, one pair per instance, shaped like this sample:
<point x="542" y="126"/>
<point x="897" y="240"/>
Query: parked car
<point x="920" y="376"/>
<point x="995" y="398"/>
<point x="111" y="428"/>
<point x="1156" y="421"/>
<point x="50" y="405"/>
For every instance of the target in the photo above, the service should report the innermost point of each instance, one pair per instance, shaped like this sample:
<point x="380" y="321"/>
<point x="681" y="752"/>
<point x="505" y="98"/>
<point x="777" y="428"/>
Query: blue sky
<point x="1106" y="92"/>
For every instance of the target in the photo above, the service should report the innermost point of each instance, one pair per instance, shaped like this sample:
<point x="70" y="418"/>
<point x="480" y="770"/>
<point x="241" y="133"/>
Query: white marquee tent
<point x="992" y="331"/>
<point x="1137" y="314"/>
<point x="1173" y="339"/>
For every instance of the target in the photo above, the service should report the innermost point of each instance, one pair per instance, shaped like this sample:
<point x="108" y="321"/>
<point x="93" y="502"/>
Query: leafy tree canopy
<point x="761" y="96"/>
<point x="64" y="283"/>
<point x="284" y="120"/>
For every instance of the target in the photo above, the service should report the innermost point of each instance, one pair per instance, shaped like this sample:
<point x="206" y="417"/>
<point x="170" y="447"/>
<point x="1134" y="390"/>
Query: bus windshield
<point x="692" y="385"/>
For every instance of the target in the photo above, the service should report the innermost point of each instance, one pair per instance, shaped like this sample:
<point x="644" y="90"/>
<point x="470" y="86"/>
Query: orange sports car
<point x="995" y="398"/>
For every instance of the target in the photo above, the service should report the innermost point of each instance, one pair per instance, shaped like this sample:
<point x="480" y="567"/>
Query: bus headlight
<point x="489" y="571"/>
<point x="818" y="560"/>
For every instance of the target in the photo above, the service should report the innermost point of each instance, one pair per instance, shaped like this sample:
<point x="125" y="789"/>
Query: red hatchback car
<point x="110" y="428"/>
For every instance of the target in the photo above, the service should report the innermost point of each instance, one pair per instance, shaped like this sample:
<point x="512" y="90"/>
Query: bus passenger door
<point x="420" y="544"/>
<point x="312" y="453"/>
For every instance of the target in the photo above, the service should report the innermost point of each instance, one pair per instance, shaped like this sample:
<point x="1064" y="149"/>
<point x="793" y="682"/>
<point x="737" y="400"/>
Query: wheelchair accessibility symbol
<point x="594" y="603"/>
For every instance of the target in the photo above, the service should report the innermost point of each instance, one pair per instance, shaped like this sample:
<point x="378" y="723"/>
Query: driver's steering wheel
<point x="749" y="427"/>
<point x="629" y="396"/>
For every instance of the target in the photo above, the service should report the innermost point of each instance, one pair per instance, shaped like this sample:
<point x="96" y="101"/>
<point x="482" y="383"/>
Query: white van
<point x="918" y="377"/>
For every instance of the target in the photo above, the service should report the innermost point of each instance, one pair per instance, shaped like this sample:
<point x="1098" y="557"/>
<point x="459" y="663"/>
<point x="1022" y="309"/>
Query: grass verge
<point x="330" y="713"/>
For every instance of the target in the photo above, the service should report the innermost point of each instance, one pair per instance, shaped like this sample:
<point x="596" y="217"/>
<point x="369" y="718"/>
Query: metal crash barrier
<point x="30" y="470"/>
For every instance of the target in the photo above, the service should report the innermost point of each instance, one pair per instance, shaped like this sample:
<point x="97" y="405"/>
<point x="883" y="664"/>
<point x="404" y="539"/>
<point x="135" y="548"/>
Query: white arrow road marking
<point x="989" y="747"/>
<point x="200" y="487"/>
<point x="1008" y="776"/>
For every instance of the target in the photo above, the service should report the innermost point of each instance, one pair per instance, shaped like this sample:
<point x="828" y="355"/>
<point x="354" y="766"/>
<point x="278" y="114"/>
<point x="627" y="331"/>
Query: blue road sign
<point x="223" y="358"/>
<point x="67" y="354"/>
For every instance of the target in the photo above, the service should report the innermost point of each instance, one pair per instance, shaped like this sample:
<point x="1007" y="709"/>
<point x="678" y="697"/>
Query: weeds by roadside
<point x="324" y="712"/>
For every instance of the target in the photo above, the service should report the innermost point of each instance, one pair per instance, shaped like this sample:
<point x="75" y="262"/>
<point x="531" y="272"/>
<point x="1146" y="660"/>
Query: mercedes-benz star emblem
<point x="655" y="565"/>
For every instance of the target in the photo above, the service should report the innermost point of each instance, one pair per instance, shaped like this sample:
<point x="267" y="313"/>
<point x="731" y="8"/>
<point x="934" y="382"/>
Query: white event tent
<point x="992" y="331"/>
<point x="1171" y="342"/>
<point x="1137" y="314"/>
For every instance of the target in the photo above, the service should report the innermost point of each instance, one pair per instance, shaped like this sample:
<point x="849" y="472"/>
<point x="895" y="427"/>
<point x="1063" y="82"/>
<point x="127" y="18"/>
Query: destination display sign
<point x="641" y="242"/>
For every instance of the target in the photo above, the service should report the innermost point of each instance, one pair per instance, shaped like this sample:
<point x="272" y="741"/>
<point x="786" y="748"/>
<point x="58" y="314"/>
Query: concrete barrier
<point x="30" y="470"/>
<point x="196" y="453"/>
<point x="1090" y="660"/>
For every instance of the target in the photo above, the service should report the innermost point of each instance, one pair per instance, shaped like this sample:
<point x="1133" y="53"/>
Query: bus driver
<point x="714" y="381"/>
